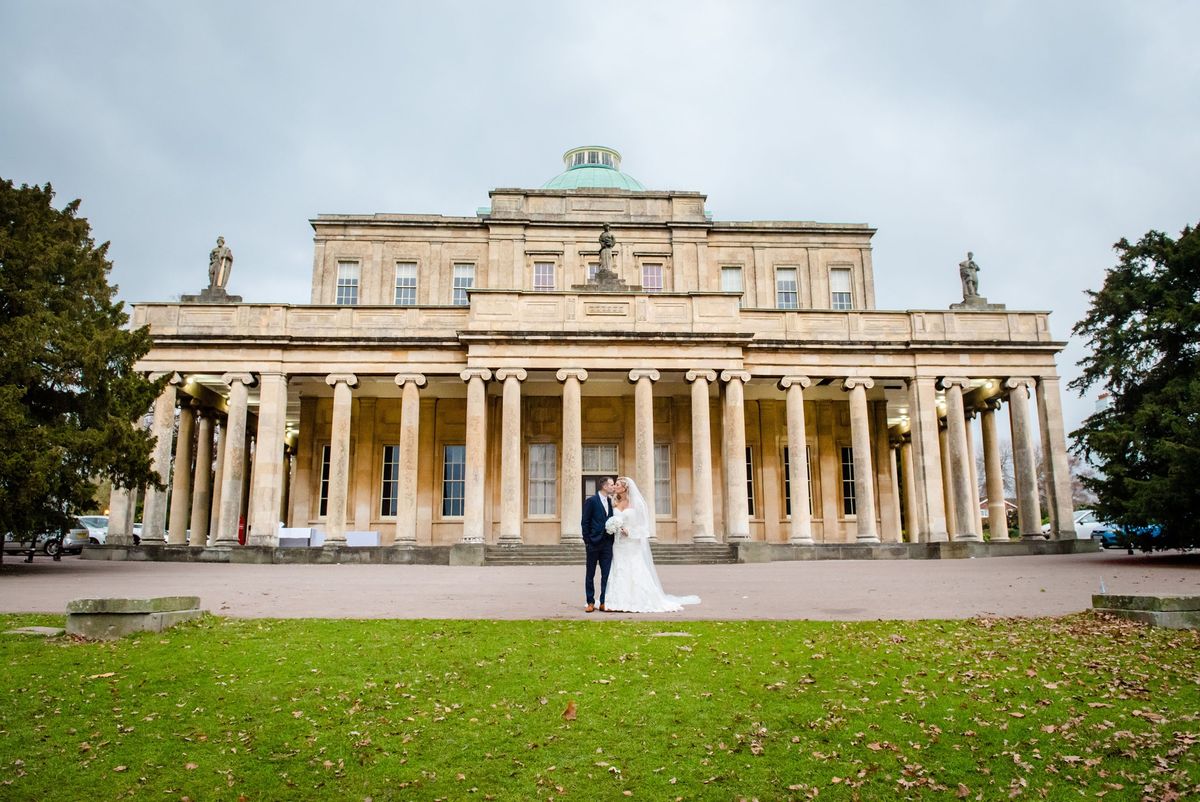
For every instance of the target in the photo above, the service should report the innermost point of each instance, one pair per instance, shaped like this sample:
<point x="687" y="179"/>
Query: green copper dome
<point x="593" y="167"/>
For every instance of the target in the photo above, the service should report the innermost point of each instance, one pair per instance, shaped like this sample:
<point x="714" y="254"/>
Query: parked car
<point x="96" y="526"/>
<point x="48" y="543"/>
<point x="1087" y="523"/>
<point x="1113" y="536"/>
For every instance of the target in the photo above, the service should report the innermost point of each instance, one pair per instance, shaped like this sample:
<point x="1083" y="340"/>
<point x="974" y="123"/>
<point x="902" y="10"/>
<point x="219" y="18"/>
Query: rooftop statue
<point x="220" y="264"/>
<point x="968" y="271"/>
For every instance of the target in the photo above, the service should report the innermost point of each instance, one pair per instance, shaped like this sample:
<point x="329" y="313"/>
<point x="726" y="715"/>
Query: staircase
<point x="572" y="554"/>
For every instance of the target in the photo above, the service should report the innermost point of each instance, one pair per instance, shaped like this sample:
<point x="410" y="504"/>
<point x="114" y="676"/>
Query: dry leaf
<point x="963" y="791"/>
<point x="191" y="766"/>
<point x="104" y="675"/>
<point x="569" y="713"/>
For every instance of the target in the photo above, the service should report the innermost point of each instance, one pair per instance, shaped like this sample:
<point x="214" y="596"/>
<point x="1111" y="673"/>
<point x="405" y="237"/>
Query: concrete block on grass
<point x="107" y="619"/>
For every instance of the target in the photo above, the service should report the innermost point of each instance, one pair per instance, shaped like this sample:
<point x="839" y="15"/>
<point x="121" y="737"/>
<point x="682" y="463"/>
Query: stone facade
<point x="454" y="379"/>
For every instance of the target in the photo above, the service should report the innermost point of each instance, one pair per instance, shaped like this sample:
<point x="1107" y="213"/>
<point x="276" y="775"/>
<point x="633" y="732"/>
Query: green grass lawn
<point x="1078" y="707"/>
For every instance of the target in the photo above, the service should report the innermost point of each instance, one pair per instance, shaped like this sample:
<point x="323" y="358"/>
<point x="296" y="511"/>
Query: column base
<point x="570" y="540"/>
<point x="704" y="538"/>
<point x="970" y="537"/>
<point x="867" y="539"/>
<point x="510" y="540"/>
<point x="803" y="541"/>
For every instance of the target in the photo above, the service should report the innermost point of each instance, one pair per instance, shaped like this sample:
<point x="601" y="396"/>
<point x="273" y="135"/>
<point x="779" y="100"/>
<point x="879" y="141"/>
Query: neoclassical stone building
<point x="467" y="379"/>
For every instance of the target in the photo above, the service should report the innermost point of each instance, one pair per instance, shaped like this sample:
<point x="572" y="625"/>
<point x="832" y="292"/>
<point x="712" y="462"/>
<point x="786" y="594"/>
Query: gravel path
<point x="826" y="590"/>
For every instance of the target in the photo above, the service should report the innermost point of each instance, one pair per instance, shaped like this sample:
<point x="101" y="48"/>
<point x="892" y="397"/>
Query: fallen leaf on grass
<point x="963" y="791"/>
<point x="120" y="768"/>
<point x="191" y="766"/>
<point x="569" y="713"/>
<point x="105" y="675"/>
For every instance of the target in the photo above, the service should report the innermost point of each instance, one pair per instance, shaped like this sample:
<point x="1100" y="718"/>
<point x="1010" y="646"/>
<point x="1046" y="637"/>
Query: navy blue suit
<point x="599" y="544"/>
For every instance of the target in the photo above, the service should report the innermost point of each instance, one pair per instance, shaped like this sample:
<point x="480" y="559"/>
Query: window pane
<point x="750" y="480"/>
<point x="839" y="287"/>
<point x="391" y="480"/>
<point x="731" y="279"/>
<point x="787" y="295"/>
<point x="324" y="502"/>
<point x="652" y="278"/>
<point x="406" y="283"/>
<point x="543" y="479"/>
<point x="593" y="269"/>
<point x="848" y="481"/>
<point x="600" y="458"/>
<point x="464" y="279"/>
<point x="662" y="479"/>
<point x="454" y="486"/>
<point x="543" y="276"/>
<point x="347" y="284"/>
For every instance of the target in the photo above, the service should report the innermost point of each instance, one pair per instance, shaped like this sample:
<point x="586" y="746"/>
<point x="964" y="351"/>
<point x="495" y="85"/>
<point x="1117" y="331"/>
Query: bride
<point x="633" y="585"/>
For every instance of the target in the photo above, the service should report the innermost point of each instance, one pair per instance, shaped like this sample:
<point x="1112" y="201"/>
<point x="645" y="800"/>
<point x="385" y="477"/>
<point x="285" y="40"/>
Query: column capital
<point x="245" y="378"/>
<point x="850" y="382"/>
<point x="947" y="382"/>
<point x="406" y="378"/>
<point x="739" y="375"/>
<point x="992" y="404"/>
<point x="802" y="382"/>
<point x="503" y="374"/>
<point x="579" y="374"/>
<point x="334" y="379"/>
<point x="1016" y="382"/>
<point x="172" y="377"/>
<point x="475" y="373"/>
<point x="637" y="374"/>
<point x="698" y="373"/>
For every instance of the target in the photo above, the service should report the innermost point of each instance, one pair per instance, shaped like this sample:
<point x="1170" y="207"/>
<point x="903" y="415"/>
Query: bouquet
<point x="613" y="525"/>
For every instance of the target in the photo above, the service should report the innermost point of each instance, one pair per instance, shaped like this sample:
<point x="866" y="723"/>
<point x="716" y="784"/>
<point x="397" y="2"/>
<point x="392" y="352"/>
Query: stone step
<point x="664" y="554"/>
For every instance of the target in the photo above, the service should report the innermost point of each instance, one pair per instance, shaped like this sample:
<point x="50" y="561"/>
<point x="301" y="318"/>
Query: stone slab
<point x="44" y="632"/>
<point x="157" y="604"/>
<point x="1188" y="619"/>
<point x="108" y="626"/>
<point x="467" y="554"/>
<point x="753" y="552"/>
<point x="1151" y="602"/>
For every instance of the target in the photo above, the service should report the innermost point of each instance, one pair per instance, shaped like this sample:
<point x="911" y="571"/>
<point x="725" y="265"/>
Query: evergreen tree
<point x="1143" y="330"/>
<point x="69" y="395"/>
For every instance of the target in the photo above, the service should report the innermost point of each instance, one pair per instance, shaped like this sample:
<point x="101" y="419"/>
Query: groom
<point x="599" y="544"/>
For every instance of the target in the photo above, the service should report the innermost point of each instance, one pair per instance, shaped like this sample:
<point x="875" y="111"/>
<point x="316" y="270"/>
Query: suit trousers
<point x="600" y="554"/>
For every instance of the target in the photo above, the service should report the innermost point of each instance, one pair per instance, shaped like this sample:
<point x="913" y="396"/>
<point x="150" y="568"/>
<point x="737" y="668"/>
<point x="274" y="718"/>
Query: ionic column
<point x="267" y="492"/>
<point x="214" y="520"/>
<point x="930" y="521"/>
<point x="910" y="491"/>
<point x="476" y="448"/>
<point x="1029" y="516"/>
<point x="120" y="517"/>
<point x="801" y="526"/>
<point x="702" y="478"/>
<point x="233" y="464"/>
<point x="860" y="440"/>
<point x="1054" y="451"/>
<point x="154" y="520"/>
<point x="960" y="472"/>
<point x="992" y="472"/>
<point x="885" y="476"/>
<point x="510" y="454"/>
<point x="339" y="457"/>
<point x="947" y="473"/>
<point x="737" y="505"/>
<point x="643" y="437"/>
<point x="571" y="500"/>
<point x="410" y="429"/>
<point x="976" y="516"/>
<point x="181" y="484"/>
<point x="202" y="487"/>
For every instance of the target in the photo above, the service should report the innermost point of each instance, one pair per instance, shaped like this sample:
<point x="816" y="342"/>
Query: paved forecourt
<point x="824" y="590"/>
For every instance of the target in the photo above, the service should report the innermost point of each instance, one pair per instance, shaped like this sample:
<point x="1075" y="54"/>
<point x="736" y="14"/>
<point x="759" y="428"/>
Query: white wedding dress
<point x="633" y="585"/>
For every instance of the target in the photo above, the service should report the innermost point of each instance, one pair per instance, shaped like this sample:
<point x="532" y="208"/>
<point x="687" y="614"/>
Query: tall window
<point x="593" y="269"/>
<point x="454" y="479"/>
<point x="391" y="480"/>
<point x="750" y="480"/>
<point x="323" y="507"/>
<point x="406" y="283"/>
<point x="543" y="276"/>
<point x="787" y="480"/>
<point x="848" y="481"/>
<point x="787" y="291"/>
<point x="543" y="479"/>
<point x="662" y="479"/>
<point x="347" y="284"/>
<point x="731" y="280"/>
<point x="464" y="279"/>
<point x="839" y="288"/>
<point x="652" y="278"/>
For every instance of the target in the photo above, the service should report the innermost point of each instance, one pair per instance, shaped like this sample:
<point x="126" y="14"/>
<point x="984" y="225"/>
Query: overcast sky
<point x="1035" y="134"/>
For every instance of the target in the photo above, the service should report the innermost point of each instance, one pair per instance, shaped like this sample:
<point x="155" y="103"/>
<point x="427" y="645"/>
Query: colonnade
<point x="933" y="458"/>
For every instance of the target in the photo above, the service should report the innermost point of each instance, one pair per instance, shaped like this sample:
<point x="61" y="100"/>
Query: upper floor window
<point x="543" y="276"/>
<point x="787" y="291"/>
<point x="406" y="283"/>
<point x="347" y="284"/>
<point x="593" y="269"/>
<point x="464" y="279"/>
<point x="839" y="288"/>
<point x="652" y="278"/>
<point x="731" y="280"/>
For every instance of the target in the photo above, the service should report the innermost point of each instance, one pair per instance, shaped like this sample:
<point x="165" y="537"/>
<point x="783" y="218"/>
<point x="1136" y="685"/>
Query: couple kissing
<point x="616" y="535"/>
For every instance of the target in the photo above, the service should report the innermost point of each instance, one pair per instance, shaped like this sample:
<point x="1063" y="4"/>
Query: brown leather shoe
<point x="591" y="608"/>
<point x="603" y="609"/>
